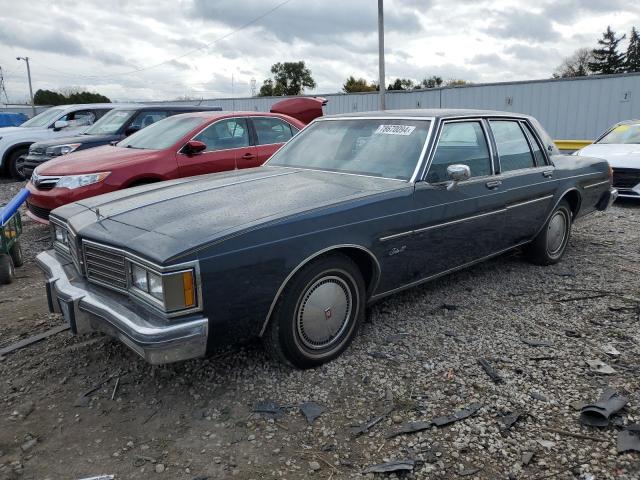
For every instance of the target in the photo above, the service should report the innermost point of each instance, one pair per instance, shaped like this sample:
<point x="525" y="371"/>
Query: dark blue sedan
<point x="352" y="209"/>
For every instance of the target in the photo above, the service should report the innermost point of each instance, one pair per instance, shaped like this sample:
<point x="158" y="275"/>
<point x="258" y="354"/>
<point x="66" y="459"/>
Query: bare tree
<point x="576" y="65"/>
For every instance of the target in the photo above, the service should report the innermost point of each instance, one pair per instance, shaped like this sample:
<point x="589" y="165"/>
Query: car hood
<point x="83" y="139"/>
<point x="618" y="155"/>
<point x="161" y="221"/>
<point x="11" y="130"/>
<point x="99" y="159"/>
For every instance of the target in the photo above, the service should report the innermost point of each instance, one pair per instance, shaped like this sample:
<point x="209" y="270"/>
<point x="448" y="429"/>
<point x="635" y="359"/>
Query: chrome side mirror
<point x="457" y="173"/>
<point x="60" y="124"/>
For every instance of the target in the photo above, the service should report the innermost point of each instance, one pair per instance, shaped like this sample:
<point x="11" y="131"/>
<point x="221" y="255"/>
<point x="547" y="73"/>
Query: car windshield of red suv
<point x="162" y="134"/>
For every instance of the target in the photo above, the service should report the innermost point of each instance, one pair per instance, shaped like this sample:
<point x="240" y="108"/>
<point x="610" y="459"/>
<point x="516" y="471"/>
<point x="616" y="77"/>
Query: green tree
<point x="456" y="82"/>
<point x="401" y="84"/>
<point x="575" y="65"/>
<point x="431" y="82"/>
<point x="289" y="78"/>
<point x="633" y="52"/>
<point x="607" y="59"/>
<point x="358" y="85"/>
<point x="49" y="97"/>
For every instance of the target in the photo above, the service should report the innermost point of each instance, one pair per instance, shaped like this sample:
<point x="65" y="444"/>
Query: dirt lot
<point x="415" y="359"/>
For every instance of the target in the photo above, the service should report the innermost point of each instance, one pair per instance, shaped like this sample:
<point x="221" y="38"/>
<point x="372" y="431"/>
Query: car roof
<point x="437" y="113"/>
<point x="227" y="113"/>
<point x="168" y="106"/>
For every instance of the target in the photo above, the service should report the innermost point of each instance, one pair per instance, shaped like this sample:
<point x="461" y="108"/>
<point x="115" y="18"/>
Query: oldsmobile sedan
<point x="351" y="210"/>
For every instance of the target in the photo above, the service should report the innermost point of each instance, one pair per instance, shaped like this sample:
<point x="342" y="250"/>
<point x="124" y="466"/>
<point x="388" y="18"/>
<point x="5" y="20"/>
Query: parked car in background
<point x="11" y="119"/>
<point x="354" y="208"/>
<point x="112" y="127"/>
<point x="620" y="146"/>
<point x="180" y="146"/>
<point x="54" y="122"/>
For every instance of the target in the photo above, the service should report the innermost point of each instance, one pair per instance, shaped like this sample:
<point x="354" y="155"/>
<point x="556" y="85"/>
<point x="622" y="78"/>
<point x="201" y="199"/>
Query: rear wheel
<point x="549" y="246"/>
<point x="318" y="313"/>
<point x="12" y="162"/>
<point x="16" y="254"/>
<point x="7" y="271"/>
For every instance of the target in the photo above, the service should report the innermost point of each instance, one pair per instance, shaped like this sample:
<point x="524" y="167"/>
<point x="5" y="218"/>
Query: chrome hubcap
<point x="556" y="232"/>
<point x="324" y="311"/>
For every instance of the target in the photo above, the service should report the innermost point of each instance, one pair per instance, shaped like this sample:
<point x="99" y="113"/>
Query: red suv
<point x="179" y="146"/>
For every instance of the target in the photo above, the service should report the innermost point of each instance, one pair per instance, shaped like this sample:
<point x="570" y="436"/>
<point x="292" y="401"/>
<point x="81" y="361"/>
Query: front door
<point x="459" y="225"/>
<point x="228" y="147"/>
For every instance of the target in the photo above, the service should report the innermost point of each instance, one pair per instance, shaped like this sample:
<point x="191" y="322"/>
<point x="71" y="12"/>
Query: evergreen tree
<point x="633" y="52"/>
<point x="607" y="59"/>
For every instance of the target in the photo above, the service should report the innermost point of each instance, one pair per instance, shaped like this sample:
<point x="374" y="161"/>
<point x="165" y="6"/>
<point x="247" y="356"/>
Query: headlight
<point x="58" y="150"/>
<point x="77" y="181"/>
<point x="60" y="236"/>
<point x="171" y="291"/>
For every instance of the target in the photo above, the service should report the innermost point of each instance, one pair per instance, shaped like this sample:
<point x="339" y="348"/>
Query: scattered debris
<point x="396" y="337"/>
<point x="84" y="399"/>
<point x="29" y="444"/>
<point x="546" y="443"/>
<point x="100" y="477"/>
<point x="573" y="334"/>
<point x="538" y="396"/>
<point x="313" y="465"/>
<point x="527" y="457"/>
<point x="460" y="415"/>
<point x="509" y="420"/>
<point x="574" y="435"/>
<point x="629" y="439"/>
<point x="610" y="350"/>
<point x="33" y="339"/>
<point x="394" y="466"/>
<point x="537" y="343"/>
<point x="411" y="427"/>
<point x="268" y="409"/>
<point x="381" y="355"/>
<point x="312" y="410"/>
<point x="598" y="414"/>
<point x="115" y="389"/>
<point x="471" y="470"/>
<point x="598" y="366"/>
<point x="493" y="374"/>
<point x="366" y="426"/>
<point x="23" y="411"/>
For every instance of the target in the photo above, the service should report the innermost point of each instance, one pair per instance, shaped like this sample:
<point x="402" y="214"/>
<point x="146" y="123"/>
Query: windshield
<point x="163" y="133"/>
<point x="44" y="119"/>
<point x="387" y="147"/>
<point x="110" y="123"/>
<point x="622" y="134"/>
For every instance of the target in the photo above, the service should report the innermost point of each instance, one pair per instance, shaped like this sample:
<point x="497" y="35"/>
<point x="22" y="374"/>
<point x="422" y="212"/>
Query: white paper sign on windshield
<point x="395" y="130"/>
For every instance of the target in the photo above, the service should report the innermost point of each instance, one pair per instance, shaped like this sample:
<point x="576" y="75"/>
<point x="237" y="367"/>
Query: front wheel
<point x="16" y="254"/>
<point x="318" y="313"/>
<point x="7" y="271"/>
<point x="549" y="246"/>
<point x="13" y="163"/>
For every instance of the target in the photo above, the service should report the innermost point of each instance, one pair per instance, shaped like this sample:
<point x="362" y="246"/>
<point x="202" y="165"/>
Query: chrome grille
<point x="43" y="183"/>
<point x="36" y="151"/>
<point x="105" y="266"/>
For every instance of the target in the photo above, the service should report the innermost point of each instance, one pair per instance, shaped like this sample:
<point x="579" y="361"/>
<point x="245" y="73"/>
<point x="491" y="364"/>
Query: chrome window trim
<point x="211" y="125"/>
<point x="527" y="202"/>
<point x="155" y="268"/>
<point x="374" y="285"/>
<point x="518" y="121"/>
<point x="443" y="122"/>
<point x="411" y="180"/>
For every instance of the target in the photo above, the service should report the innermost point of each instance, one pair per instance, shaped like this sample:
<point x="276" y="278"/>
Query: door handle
<point x="547" y="173"/>
<point x="493" y="184"/>
<point x="248" y="156"/>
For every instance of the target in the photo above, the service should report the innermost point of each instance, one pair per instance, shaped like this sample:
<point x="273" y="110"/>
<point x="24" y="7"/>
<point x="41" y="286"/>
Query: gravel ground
<point x="415" y="359"/>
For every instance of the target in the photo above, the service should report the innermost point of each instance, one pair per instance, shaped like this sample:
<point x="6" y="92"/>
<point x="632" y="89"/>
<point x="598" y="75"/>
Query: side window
<point x="460" y="143"/>
<point x="79" y="118"/>
<point x="225" y="134"/>
<point x="271" y="130"/>
<point x="100" y="113"/>
<point x="538" y="154"/>
<point x="513" y="148"/>
<point x="147" y="117"/>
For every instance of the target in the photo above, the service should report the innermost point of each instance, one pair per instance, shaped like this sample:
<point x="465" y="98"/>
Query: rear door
<point x="229" y="147"/>
<point x="270" y="134"/>
<point x="526" y="176"/>
<point x="456" y="226"/>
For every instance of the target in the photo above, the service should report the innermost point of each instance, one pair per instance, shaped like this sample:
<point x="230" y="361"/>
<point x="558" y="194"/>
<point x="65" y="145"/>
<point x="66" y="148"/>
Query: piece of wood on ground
<point x="33" y="339"/>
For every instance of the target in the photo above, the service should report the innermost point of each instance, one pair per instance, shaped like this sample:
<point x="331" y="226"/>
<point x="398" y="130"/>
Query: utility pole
<point x="381" y="75"/>
<point x="3" y="90"/>
<point x="33" y="107"/>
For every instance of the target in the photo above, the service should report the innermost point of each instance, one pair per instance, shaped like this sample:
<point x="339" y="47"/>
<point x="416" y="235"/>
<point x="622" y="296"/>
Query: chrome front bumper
<point x="607" y="199"/>
<point x="90" y="308"/>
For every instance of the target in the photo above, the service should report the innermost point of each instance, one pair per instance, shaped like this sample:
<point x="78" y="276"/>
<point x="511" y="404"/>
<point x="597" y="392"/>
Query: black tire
<point x="549" y="246"/>
<point x="333" y="281"/>
<point x="16" y="254"/>
<point x="7" y="271"/>
<point x="12" y="163"/>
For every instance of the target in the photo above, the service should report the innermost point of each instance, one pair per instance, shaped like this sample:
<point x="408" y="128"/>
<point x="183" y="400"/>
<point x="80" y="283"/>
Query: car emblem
<point x="327" y="313"/>
<point x="35" y="179"/>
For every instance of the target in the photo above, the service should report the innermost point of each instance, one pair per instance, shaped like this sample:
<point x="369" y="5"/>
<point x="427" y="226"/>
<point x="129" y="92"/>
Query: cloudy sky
<point x="159" y="49"/>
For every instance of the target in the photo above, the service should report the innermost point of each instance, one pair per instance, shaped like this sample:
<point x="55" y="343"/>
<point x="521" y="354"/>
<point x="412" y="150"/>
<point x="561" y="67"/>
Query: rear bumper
<point x="607" y="199"/>
<point x="89" y="308"/>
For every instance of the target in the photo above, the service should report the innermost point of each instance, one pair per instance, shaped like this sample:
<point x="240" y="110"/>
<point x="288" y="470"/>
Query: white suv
<point x="56" y="121"/>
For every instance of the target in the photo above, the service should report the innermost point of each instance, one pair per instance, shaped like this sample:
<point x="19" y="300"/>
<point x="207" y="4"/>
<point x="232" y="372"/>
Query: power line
<point x="217" y="40"/>
<point x="3" y="90"/>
